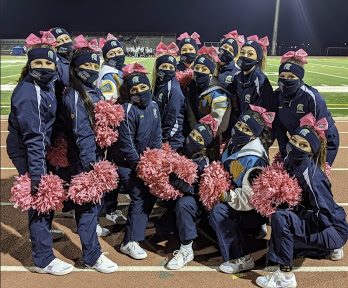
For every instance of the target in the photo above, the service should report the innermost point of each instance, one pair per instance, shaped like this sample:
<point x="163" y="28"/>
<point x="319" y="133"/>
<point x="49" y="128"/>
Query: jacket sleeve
<point x="83" y="132"/>
<point x="157" y="143"/>
<point x="281" y="135"/>
<point x="108" y="87"/>
<point x="127" y="131"/>
<point x="31" y="121"/>
<point x="219" y="106"/>
<point x="318" y="106"/>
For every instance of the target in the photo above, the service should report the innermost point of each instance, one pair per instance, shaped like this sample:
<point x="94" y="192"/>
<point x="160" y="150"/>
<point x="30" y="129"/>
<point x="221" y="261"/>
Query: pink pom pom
<point x="278" y="158"/>
<point x="274" y="187"/>
<point x="327" y="170"/>
<point x="214" y="181"/>
<point x="154" y="168"/>
<point x="108" y="116"/>
<point x="51" y="194"/>
<point x="57" y="154"/>
<point x="184" y="77"/>
<point x="20" y="192"/>
<point x="90" y="187"/>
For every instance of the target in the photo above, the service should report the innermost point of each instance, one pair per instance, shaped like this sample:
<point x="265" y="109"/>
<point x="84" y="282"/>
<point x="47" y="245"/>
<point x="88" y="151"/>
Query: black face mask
<point x="43" y="75"/>
<point x="246" y="63"/>
<point x="117" y="61"/>
<point x="295" y="156"/>
<point x="192" y="147"/>
<point x="65" y="49"/>
<point x="239" y="138"/>
<point x="142" y="99"/>
<point x="164" y="76"/>
<point x="289" y="87"/>
<point x="188" y="57"/>
<point x="202" y="80"/>
<point x="87" y="76"/>
<point x="225" y="56"/>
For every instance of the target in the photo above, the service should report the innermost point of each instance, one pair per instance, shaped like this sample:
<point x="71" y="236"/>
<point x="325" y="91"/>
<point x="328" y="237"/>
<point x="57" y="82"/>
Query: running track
<point x="16" y="259"/>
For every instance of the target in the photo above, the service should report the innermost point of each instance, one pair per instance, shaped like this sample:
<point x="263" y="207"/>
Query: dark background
<point x="318" y="22"/>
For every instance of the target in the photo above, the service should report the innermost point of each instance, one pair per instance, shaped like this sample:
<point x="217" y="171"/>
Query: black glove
<point x="254" y="174"/>
<point x="34" y="187"/>
<point x="180" y="184"/>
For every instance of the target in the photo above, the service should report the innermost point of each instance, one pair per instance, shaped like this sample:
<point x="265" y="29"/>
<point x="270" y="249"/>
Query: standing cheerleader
<point x="110" y="75"/>
<point x="83" y="152"/>
<point x="316" y="227"/>
<point x="33" y="112"/>
<point x="168" y="95"/>
<point x="297" y="99"/>
<point x="247" y="149"/>
<point x="141" y="129"/>
<point x="228" y="53"/>
<point x="251" y="85"/>
<point x="188" y="47"/>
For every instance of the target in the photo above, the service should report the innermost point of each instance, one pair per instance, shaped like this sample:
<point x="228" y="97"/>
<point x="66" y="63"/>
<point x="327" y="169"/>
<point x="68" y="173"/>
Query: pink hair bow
<point x="102" y="41"/>
<point x="234" y="35"/>
<point x="211" y="122"/>
<point x="267" y="117"/>
<point x="319" y="126"/>
<point x="299" y="55"/>
<point x="211" y="51"/>
<point x="81" y="42"/>
<point x="133" y="68"/>
<point x="264" y="43"/>
<point x="171" y="49"/>
<point x="47" y="38"/>
<point x="194" y="36"/>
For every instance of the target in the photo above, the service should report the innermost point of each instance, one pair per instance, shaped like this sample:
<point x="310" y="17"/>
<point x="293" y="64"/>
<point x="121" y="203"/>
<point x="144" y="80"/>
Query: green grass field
<point x="328" y="73"/>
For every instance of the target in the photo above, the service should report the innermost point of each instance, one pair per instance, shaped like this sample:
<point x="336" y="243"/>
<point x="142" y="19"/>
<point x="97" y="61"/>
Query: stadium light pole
<point x="275" y="28"/>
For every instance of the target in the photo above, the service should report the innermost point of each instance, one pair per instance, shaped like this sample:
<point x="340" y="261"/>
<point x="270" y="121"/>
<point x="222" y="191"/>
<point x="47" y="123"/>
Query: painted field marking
<point x="9" y="66"/>
<point x="3" y="77"/>
<point x="341" y="67"/>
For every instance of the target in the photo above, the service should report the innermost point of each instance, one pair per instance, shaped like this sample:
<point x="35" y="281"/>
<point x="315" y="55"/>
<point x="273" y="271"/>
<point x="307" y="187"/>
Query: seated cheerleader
<point x="297" y="99"/>
<point x="83" y="152"/>
<point x="140" y="129"/>
<point x="251" y="85"/>
<point x="110" y="74"/>
<point x="168" y="96"/>
<point x="188" y="47"/>
<point x="228" y="54"/>
<point x="33" y="112"/>
<point x="188" y="207"/>
<point x="247" y="149"/>
<point x="316" y="227"/>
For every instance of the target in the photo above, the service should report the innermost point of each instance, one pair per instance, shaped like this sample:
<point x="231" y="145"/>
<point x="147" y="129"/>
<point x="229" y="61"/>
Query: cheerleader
<point x="316" y="227"/>
<point x="246" y="150"/>
<point x="228" y="53"/>
<point x="188" y="47"/>
<point x="251" y="85"/>
<point x="33" y="112"/>
<point x="168" y="95"/>
<point x="78" y="115"/>
<point x="141" y="129"/>
<point x="110" y="75"/>
<point x="297" y="99"/>
<point x="188" y="207"/>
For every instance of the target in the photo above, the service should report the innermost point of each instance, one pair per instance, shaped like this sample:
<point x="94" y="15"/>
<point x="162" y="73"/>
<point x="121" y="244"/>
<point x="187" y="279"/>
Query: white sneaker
<point x="117" y="217"/>
<point x="101" y="232"/>
<point x="133" y="249"/>
<point x="104" y="265"/>
<point x="336" y="254"/>
<point x="181" y="258"/>
<point x="238" y="265"/>
<point x="262" y="233"/>
<point x="56" y="267"/>
<point x="277" y="279"/>
<point x="56" y="234"/>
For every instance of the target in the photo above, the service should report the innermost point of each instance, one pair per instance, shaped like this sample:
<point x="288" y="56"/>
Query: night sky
<point x="318" y="22"/>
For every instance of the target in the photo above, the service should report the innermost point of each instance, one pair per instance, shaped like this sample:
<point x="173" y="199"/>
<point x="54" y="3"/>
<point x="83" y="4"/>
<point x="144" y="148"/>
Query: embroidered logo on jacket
<point x="247" y="98"/>
<point x="299" y="108"/>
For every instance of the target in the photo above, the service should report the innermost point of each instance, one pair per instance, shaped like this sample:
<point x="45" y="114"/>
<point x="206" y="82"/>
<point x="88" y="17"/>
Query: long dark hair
<point x="76" y="83"/>
<point x="24" y="73"/>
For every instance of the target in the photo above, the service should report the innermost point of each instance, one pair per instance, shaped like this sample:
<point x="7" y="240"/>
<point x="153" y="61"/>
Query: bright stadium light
<point x="275" y="28"/>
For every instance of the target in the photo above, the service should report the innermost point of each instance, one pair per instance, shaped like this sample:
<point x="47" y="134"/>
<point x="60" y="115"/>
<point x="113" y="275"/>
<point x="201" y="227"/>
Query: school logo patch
<point x="171" y="59"/>
<point x="299" y="108"/>
<point x="246" y="118"/>
<point x="50" y="54"/>
<point x="59" y="31"/>
<point x="304" y="132"/>
<point x="230" y="41"/>
<point x="135" y="79"/>
<point x="247" y="98"/>
<point x="201" y="128"/>
<point x="201" y="60"/>
<point x="229" y="79"/>
<point x="187" y="40"/>
<point x="249" y="42"/>
<point x="94" y="57"/>
<point x="72" y="115"/>
<point x="113" y="43"/>
<point x="287" y="66"/>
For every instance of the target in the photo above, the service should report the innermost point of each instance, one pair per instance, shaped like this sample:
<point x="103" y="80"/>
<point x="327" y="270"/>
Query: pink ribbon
<point x="81" y="42"/>
<point x="102" y="41"/>
<point x="299" y="55"/>
<point x="268" y="117"/>
<point x="211" y="51"/>
<point x="133" y="68"/>
<point x="194" y="36"/>
<point x="47" y="38"/>
<point x="171" y="49"/>
<point x="319" y="126"/>
<point x="263" y="42"/>
<point x="234" y="35"/>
